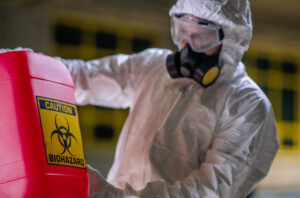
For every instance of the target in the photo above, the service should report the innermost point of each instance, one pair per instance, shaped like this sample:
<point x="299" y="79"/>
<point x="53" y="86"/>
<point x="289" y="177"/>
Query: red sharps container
<point x="41" y="150"/>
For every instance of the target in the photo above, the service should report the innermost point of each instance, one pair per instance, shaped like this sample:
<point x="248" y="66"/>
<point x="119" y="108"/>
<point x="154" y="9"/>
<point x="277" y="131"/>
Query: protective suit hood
<point x="235" y="18"/>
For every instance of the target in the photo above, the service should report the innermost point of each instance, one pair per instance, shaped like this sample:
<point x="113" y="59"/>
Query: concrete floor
<point x="274" y="194"/>
<point x="283" y="180"/>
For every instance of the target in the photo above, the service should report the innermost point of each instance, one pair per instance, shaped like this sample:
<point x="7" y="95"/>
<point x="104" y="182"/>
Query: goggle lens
<point x="201" y="37"/>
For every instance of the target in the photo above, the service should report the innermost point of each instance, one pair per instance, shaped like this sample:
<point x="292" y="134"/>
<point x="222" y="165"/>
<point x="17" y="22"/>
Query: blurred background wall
<point x="89" y="29"/>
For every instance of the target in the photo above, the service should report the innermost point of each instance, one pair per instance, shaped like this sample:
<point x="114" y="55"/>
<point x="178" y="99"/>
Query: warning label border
<point x="49" y="163"/>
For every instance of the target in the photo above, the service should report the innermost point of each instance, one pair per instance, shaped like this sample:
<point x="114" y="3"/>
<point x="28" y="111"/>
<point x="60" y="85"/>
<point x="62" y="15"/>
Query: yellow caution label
<point x="62" y="136"/>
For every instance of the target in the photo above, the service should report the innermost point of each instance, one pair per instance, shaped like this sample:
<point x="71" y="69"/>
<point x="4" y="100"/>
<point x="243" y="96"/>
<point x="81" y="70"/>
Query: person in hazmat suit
<point x="198" y="126"/>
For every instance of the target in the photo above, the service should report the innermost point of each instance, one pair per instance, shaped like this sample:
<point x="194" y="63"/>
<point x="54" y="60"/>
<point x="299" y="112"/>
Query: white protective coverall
<point x="180" y="139"/>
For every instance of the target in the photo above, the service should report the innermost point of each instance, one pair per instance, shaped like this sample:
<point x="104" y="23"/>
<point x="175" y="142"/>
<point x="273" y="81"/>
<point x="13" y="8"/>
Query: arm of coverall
<point x="241" y="153"/>
<point x="110" y="81"/>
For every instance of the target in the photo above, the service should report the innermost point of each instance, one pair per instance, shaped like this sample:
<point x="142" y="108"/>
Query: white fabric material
<point x="182" y="140"/>
<point x="16" y="49"/>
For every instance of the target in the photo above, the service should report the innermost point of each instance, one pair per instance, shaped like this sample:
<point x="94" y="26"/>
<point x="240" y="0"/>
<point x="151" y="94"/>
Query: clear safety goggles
<point x="200" y="34"/>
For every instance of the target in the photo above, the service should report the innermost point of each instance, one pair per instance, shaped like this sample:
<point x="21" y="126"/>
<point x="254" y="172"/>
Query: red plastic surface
<point x="24" y="171"/>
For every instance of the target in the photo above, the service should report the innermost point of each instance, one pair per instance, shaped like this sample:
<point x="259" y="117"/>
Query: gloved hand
<point x="101" y="188"/>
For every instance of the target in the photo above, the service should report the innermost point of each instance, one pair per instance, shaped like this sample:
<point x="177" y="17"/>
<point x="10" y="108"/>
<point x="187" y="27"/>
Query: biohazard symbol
<point x="63" y="134"/>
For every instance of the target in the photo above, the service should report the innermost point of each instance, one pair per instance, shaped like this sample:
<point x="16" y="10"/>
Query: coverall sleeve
<point x="112" y="81"/>
<point x="242" y="150"/>
<point x="107" y="81"/>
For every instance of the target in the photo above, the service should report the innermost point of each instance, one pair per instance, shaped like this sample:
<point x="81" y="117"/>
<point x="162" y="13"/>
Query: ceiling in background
<point x="274" y="12"/>
<point x="277" y="13"/>
<point x="278" y="18"/>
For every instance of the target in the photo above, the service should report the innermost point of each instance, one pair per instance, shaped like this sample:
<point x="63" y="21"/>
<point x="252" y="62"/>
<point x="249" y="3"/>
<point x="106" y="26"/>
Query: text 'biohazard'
<point x="61" y="132"/>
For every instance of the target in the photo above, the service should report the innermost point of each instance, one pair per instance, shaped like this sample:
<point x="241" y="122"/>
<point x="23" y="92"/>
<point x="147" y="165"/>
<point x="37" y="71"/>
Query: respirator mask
<point x="191" y="61"/>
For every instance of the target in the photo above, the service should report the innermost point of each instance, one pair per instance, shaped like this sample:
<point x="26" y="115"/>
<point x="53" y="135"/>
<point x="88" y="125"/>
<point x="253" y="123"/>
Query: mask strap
<point x="221" y="34"/>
